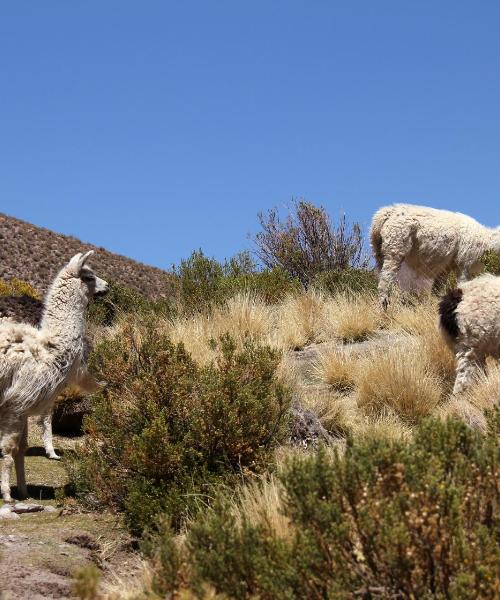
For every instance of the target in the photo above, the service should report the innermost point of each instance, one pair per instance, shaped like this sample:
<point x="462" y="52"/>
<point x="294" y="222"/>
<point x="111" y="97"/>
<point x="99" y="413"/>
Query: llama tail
<point x="378" y="221"/>
<point x="448" y="313"/>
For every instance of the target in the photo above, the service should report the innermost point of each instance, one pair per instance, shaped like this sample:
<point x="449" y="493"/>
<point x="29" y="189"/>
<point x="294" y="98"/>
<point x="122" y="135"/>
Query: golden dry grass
<point x="336" y="367"/>
<point x="484" y="393"/>
<point x="259" y="503"/>
<point x="299" y="319"/>
<point x="337" y="413"/>
<point x="399" y="380"/>
<point x="350" y="318"/>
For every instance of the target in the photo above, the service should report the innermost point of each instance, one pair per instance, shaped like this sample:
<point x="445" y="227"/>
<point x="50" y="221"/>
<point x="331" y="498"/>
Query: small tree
<point x="307" y="243"/>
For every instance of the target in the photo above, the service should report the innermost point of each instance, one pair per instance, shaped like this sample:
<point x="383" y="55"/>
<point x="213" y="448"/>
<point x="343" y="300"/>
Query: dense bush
<point x="104" y="310"/>
<point x="347" y="281"/>
<point x="307" y="243"/>
<point x="164" y="429"/>
<point x="382" y="520"/>
<point x="203" y="281"/>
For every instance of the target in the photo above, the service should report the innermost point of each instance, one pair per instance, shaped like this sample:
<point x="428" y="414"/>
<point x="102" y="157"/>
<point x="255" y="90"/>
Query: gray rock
<point x="21" y="507"/>
<point x="306" y="429"/>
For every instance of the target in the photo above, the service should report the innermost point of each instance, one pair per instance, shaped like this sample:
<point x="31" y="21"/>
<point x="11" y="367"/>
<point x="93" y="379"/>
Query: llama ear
<point x="75" y="261"/>
<point x="85" y="257"/>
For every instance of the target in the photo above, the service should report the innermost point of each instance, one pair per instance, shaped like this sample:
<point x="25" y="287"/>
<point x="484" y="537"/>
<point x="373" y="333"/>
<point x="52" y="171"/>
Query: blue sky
<point x="154" y="128"/>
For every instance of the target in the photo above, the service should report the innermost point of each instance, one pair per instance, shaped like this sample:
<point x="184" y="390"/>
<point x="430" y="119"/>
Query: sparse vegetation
<point x="307" y="244"/>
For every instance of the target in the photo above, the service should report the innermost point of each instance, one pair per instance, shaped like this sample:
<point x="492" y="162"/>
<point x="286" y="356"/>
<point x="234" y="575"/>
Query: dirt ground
<point x="40" y="552"/>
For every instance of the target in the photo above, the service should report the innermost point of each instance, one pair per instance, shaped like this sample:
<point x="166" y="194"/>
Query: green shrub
<point x="103" y="310"/>
<point x="204" y="282"/>
<point x="382" y="520"/>
<point x="347" y="281"/>
<point x="165" y="430"/>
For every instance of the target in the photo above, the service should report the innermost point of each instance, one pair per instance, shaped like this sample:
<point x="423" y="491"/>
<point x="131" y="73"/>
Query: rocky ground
<point x="40" y="552"/>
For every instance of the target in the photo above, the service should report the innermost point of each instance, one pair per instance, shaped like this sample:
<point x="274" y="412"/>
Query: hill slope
<point x="36" y="254"/>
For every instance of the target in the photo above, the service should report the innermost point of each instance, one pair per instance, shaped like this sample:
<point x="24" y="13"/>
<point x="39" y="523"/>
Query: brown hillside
<point x="36" y="254"/>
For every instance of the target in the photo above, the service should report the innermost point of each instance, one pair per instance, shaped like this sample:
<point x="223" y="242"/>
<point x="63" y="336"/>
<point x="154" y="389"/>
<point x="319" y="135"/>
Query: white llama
<point x="429" y="242"/>
<point x="469" y="319"/>
<point x="25" y="309"/>
<point x="37" y="363"/>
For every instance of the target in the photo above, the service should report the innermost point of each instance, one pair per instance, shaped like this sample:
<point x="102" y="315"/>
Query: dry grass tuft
<point x="338" y="414"/>
<point x="385" y="426"/>
<point x="336" y="367"/>
<point x="462" y="409"/>
<point x="399" y="380"/>
<point x="421" y="321"/>
<point x="259" y="503"/>
<point x="299" y="319"/>
<point x="350" y="318"/>
<point x="485" y="391"/>
<point x="244" y="316"/>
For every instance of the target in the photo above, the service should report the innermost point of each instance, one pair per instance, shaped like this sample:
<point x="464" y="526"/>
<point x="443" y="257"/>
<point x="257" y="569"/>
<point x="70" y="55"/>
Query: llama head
<point x="91" y="285"/>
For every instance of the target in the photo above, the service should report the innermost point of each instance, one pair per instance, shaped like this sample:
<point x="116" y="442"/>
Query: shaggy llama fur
<point x="470" y="323"/>
<point x="24" y="309"/>
<point x="430" y="242"/>
<point x="36" y="364"/>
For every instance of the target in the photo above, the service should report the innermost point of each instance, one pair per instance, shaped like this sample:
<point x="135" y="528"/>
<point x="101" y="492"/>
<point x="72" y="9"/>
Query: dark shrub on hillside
<point x="383" y="520"/>
<point x="347" y="281"/>
<point x="165" y="430"/>
<point x="203" y="281"/>
<point x="307" y="243"/>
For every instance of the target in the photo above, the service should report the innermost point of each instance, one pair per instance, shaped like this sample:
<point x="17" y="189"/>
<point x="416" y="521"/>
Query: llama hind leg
<point x="387" y="279"/>
<point x="468" y="363"/>
<point x="22" y="489"/>
<point x="45" y="422"/>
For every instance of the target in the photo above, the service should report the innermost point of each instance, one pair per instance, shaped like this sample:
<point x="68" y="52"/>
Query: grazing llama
<point x="37" y="363"/>
<point x="429" y="242"/>
<point x="469" y="319"/>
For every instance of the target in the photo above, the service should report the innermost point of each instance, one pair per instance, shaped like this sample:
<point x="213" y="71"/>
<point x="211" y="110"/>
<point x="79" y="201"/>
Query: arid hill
<point x="35" y="254"/>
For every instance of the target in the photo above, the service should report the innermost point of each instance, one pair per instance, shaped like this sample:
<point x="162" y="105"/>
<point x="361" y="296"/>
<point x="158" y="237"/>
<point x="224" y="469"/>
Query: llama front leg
<point x="9" y="443"/>
<point x="468" y="362"/>
<point x="387" y="279"/>
<point x="45" y="423"/>
<point x="22" y="489"/>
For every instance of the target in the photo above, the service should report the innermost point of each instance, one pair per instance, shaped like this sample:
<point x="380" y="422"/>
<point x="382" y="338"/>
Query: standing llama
<point x="37" y="363"/>
<point x="469" y="319"/>
<point x="430" y="243"/>
<point x="25" y="309"/>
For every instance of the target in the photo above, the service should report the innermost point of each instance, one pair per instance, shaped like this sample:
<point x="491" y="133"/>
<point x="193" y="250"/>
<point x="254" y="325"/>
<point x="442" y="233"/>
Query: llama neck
<point x="64" y="315"/>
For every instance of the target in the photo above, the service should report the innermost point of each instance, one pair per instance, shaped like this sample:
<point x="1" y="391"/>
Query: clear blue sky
<point x="156" y="127"/>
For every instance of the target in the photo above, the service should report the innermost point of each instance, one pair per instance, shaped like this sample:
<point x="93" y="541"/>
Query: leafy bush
<point x="203" y="281"/>
<point x="103" y="310"/>
<point x="17" y="287"/>
<point x="307" y="244"/>
<point x="347" y="281"/>
<point x="165" y="430"/>
<point x="382" y="520"/>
